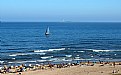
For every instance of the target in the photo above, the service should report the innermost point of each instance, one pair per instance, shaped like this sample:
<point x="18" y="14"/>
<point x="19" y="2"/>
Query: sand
<point x="76" y="70"/>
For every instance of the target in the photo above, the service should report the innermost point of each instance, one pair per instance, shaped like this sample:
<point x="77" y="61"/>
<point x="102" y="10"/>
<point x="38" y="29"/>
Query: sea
<point x="26" y="42"/>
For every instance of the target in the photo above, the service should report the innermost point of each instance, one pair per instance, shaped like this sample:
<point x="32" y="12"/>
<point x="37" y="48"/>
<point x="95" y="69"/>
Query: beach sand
<point x="76" y="70"/>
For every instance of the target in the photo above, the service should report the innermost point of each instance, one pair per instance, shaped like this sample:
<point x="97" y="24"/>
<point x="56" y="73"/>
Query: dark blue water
<point x="67" y="42"/>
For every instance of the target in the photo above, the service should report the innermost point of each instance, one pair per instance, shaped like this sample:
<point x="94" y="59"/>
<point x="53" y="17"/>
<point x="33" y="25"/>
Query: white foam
<point x="80" y="51"/>
<point x="53" y="59"/>
<point x="36" y="53"/>
<point x="41" y="60"/>
<point x="49" y="50"/>
<point x="60" y="60"/>
<point x="77" y="57"/>
<point x="57" y="59"/>
<point x="82" y="59"/>
<point x="46" y="57"/>
<point x="68" y="55"/>
<point x="1" y="68"/>
<point x="98" y="50"/>
<point x="13" y="55"/>
<point x="23" y="62"/>
<point x="102" y="50"/>
<point x="1" y="62"/>
<point x="89" y="49"/>
<point x="13" y="58"/>
<point x="11" y="62"/>
<point x="18" y="54"/>
<point x="21" y="54"/>
<point x="29" y="61"/>
<point x="67" y="60"/>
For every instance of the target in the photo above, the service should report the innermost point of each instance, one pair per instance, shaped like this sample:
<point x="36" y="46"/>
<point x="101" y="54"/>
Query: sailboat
<point x="47" y="31"/>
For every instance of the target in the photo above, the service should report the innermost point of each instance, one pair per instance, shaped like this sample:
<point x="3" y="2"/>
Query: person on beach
<point x="114" y="64"/>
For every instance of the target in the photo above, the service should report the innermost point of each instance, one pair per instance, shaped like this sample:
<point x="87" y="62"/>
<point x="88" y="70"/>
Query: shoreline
<point x="89" y="68"/>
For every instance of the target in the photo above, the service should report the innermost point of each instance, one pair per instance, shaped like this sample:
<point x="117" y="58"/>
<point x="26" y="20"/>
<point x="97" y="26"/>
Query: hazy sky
<point x="57" y="10"/>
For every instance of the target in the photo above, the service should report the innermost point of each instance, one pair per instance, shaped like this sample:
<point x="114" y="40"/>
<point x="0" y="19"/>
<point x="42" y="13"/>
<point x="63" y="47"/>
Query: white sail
<point x="47" y="31"/>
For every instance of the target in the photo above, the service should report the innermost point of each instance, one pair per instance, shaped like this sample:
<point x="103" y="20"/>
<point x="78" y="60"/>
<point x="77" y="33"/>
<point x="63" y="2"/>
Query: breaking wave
<point x="21" y="54"/>
<point x="49" y="50"/>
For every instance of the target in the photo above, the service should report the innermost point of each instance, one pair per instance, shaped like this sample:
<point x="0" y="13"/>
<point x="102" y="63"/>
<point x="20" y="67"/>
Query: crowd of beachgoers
<point x="23" y="67"/>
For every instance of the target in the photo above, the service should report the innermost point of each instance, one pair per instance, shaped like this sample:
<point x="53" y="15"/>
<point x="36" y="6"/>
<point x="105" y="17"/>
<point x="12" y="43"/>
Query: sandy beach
<point x="96" y="69"/>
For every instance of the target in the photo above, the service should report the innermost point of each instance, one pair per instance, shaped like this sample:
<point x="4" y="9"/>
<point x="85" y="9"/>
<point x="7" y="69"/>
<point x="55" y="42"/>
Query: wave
<point x="103" y="50"/>
<point x="68" y="55"/>
<point x="17" y="54"/>
<point x="1" y="62"/>
<point x="46" y="57"/>
<point x="41" y="60"/>
<point x="13" y="58"/>
<point x="84" y="59"/>
<point x="80" y="51"/>
<point x="49" y="50"/>
<point x="106" y="50"/>
<point x="21" y="54"/>
<point x="59" y="59"/>
<point x="66" y="60"/>
<point x="77" y="57"/>
<point x="22" y="62"/>
<point x="53" y="59"/>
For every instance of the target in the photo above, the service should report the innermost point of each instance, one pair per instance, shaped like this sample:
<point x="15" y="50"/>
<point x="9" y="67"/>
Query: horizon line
<point x="57" y="21"/>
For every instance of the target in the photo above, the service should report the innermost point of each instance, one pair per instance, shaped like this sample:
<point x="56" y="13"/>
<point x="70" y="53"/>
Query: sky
<point x="60" y="10"/>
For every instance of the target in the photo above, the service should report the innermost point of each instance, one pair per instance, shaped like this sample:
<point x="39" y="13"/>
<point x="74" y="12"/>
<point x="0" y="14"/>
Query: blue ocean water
<point x="26" y="42"/>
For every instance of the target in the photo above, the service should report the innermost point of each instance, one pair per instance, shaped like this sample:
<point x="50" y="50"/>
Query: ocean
<point x="26" y="43"/>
